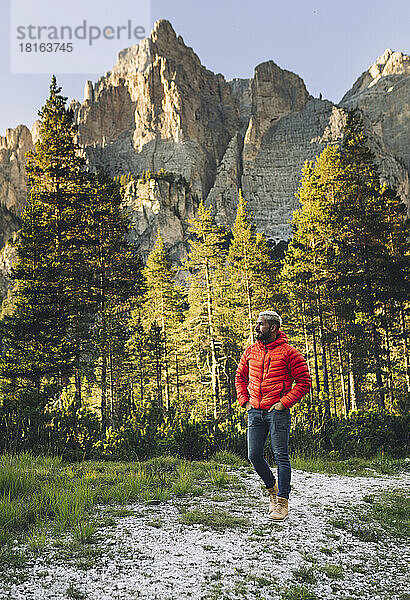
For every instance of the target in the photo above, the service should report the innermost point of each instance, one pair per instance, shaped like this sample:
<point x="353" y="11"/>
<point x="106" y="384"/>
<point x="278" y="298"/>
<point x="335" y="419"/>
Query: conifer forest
<point x="103" y="356"/>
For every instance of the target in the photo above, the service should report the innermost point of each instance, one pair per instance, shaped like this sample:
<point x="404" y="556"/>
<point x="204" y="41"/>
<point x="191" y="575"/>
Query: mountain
<point x="382" y="93"/>
<point x="160" y="108"/>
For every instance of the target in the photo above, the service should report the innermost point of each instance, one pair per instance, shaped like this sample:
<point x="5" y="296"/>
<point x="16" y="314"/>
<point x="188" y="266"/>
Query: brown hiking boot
<point x="281" y="511"/>
<point x="272" y="493"/>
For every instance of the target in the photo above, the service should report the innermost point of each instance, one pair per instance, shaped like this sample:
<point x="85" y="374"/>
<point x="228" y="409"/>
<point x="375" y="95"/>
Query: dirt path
<point x="323" y="550"/>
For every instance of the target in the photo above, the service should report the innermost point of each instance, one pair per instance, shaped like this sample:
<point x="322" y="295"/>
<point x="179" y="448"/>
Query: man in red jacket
<point x="264" y="385"/>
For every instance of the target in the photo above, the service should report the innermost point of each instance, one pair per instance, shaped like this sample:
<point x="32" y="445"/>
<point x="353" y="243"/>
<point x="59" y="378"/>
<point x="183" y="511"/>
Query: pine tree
<point x="116" y="286"/>
<point x="371" y="222"/>
<point x="49" y="313"/>
<point x="50" y="310"/>
<point x="348" y="238"/>
<point x="163" y="306"/>
<point x="205" y="263"/>
<point x="253" y="285"/>
<point x="308" y="273"/>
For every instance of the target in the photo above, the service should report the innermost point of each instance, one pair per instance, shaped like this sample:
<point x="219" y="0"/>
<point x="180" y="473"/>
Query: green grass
<point x="37" y="539"/>
<point x="356" y="527"/>
<point x="228" y="458"/>
<point x="185" y="483"/>
<point x="391" y="512"/>
<point x="74" y="593"/>
<point x="41" y="493"/>
<point x="218" y="476"/>
<point x="387" y="514"/>
<point x="16" y="562"/>
<point x="214" y="519"/>
<point x="325" y="550"/>
<point x="259" y="580"/>
<point x="84" y="532"/>
<point x="157" y="523"/>
<point x="114" y="513"/>
<point x="298" y="592"/>
<point x="304" y="574"/>
<point x="354" y="467"/>
<point x="332" y="571"/>
<point x="41" y="496"/>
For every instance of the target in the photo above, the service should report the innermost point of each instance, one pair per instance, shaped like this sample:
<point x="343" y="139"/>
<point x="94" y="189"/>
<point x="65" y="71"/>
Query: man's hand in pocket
<point x="277" y="406"/>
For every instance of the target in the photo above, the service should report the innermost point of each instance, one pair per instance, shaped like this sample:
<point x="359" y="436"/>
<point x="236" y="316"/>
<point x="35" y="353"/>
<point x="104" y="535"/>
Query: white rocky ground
<point x="149" y="554"/>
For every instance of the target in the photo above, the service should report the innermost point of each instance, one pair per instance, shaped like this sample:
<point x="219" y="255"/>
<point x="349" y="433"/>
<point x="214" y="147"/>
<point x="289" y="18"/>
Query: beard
<point x="263" y="336"/>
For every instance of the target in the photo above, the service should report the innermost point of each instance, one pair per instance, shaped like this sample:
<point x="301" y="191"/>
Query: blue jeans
<point x="261" y="422"/>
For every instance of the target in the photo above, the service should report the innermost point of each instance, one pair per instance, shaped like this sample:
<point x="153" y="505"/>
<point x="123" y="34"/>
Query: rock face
<point x="272" y="177"/>
<point x="382" y="93"/>
<point x="242" y="92"/>
<point x="164" y="205"/>
<point x="13" y="187"/>
<point x="7" y="257"/>
<point x="160" y="108"/>
<point x="390" y="63"/>
<point x="275" y="93"/>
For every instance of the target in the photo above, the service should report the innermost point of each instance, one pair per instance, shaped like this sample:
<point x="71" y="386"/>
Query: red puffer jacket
<point x="265" y="374"/>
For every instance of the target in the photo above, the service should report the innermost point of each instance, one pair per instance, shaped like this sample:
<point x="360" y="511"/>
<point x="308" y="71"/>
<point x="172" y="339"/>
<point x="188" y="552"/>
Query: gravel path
<point x="150" y="554"/>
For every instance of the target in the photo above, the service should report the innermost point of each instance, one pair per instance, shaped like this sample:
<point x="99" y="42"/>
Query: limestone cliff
<point x="159" y="107"/>
<point x="382" y="93"/>
<point x="13" y="186"/>
<point x="164" y="206"/>
<point x="275" y="93"/>
<point x="7" y="258"/>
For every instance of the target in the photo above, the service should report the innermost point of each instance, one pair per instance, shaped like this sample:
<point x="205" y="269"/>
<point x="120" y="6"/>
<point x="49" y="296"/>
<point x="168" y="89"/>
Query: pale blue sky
<point x="328" y="43"/>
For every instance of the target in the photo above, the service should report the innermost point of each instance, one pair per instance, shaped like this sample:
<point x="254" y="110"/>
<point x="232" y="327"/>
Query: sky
<point x="328" y="43"/>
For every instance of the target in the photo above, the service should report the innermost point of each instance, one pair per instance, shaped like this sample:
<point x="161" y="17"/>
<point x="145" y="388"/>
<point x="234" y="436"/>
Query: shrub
<point x="363" y="433"/>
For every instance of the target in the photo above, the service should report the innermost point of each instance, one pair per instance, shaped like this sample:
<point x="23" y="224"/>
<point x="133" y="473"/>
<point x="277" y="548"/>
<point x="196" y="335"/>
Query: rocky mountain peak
<point x="389" y="63"/>
<point x="382" y="94"/>
<point x="163" y="33"/>
<point x="160" y="110"/>
<point x="158" y="107"/>
<point x="163" y="43"/>
<point x="275" y="93"/>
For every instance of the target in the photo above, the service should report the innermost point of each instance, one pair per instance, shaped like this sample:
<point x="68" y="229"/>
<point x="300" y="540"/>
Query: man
<point x="264" y="378"/>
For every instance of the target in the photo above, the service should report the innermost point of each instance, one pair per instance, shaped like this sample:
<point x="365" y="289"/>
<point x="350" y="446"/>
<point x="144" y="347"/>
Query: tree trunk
<point x="388" y="357"/>
<point x="141" y="361"/>
<point x="177" y="374"/>
<point x="352" y="384"/>
<point x="378" y="366"/>
<point x="158" y="373"/>
<point x="103" y="349"/>
<point x="307" y="350"/>
<point x="165" y="361"/>
<point x="214" y="362"/>
<point x="324" y="358"/>
<point x="405" y="345"/>
<point x="78" y="396"/>
<point x="104" y="394"/>
<point x="314" y="350"/>
<point x="249" y="299"/>
<point x="341" y="375"/>
<point x="332" y="381"/>
<point x="60" y="389"/>
<point x="111" y="380"/>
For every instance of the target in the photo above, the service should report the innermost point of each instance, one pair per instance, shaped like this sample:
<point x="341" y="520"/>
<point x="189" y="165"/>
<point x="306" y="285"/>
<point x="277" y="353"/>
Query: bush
<point x="362" y="434"/>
